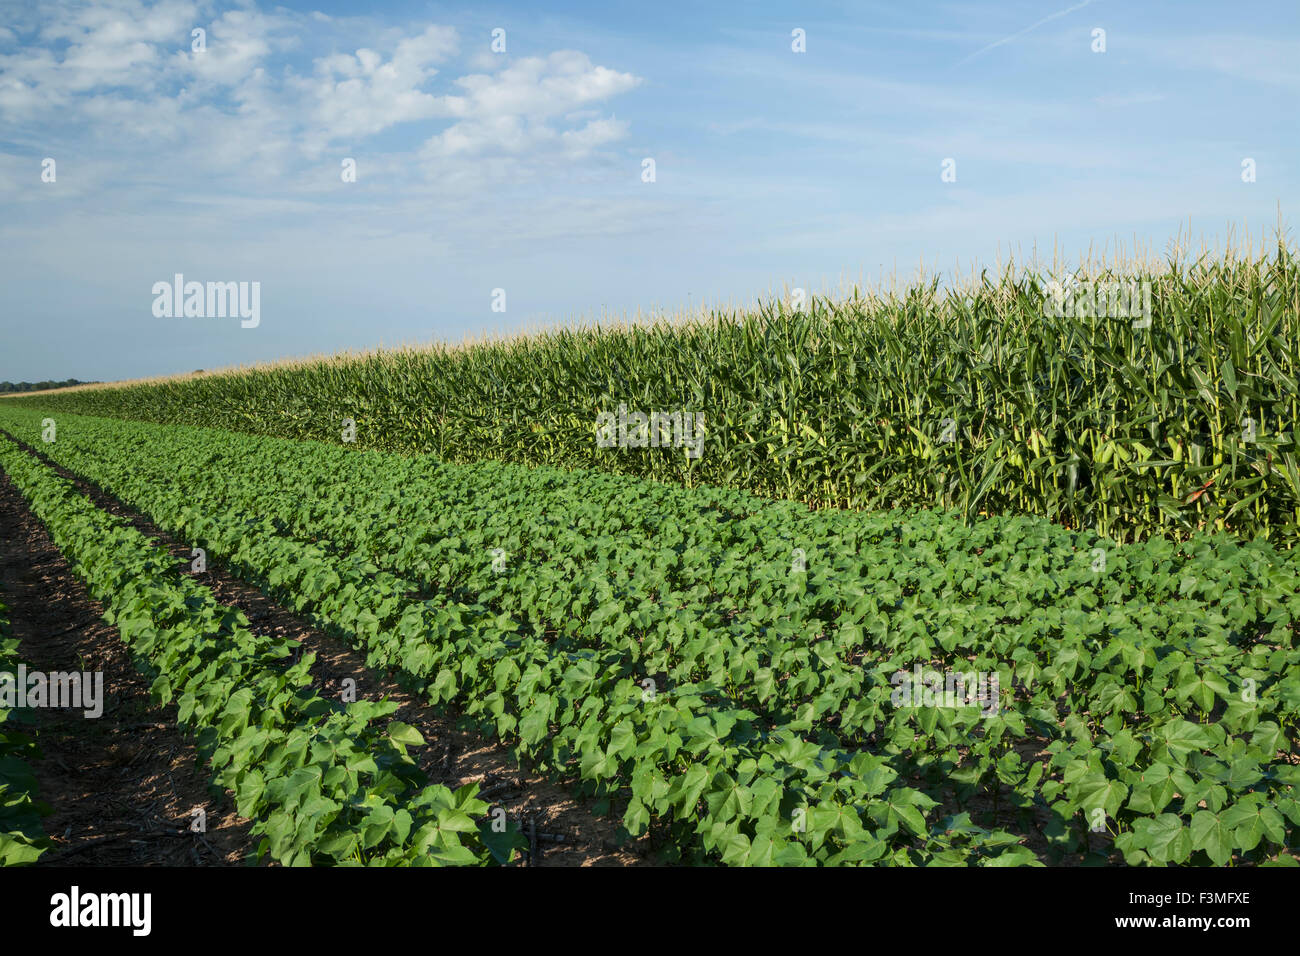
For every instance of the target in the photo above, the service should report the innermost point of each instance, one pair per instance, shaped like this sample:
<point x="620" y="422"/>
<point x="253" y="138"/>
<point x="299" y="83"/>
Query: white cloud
<point x="598" y="132"/>
<point x="236" y="44"/>
<point x="118" y="43"/>
<point x="126" y="71"/>
<point x="19" y="99"/>
<point x="541" y="86"/>
<point x="510" y="113"/>
<point x="356" y="95"/>
<point x="485" y="61"/>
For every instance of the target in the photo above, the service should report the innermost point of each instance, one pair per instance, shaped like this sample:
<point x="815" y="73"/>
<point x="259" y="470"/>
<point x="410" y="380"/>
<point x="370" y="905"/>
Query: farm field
<point x="1007" y="395"/>
<point x="784" y="438"/>
<point x="750" y="681"/>
<point x="322" y="781"/>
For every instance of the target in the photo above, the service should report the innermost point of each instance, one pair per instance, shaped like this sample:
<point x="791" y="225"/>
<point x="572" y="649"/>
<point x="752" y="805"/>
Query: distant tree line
<point x="38" y="386"/>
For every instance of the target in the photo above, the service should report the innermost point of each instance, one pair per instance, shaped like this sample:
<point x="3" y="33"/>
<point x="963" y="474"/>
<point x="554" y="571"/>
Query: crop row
<point x="324" y="783"/>
<point x="1130" y="666"/>
<point x="22" y="840"/>
<point x="981" y="398"/>
<point x="730" y="785"/>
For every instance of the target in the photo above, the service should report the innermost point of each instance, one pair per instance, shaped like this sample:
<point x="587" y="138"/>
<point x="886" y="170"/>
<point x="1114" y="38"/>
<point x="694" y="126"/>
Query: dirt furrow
<point x="125" y="787"/>
<point x="568" y="831"/>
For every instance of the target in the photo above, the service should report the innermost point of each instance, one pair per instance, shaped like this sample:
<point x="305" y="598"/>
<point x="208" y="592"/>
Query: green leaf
<point x="1209" y="834"/>
<point x="1166" y="839"/>
<point x="405" y="734"/>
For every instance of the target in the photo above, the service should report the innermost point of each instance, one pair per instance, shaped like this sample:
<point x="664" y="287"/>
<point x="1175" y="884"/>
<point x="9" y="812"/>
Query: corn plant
<point x="976" y="397"/>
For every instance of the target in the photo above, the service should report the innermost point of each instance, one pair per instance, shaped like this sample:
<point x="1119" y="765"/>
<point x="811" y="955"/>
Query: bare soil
<point x="123" y="786"/>
<point x="563" y="826"/>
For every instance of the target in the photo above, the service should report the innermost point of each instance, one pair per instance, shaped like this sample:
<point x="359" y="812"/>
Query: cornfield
<point x="979" y="399"/>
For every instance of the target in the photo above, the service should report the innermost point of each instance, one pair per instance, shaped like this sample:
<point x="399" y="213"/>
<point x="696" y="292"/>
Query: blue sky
<point x="522" y="170"/>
